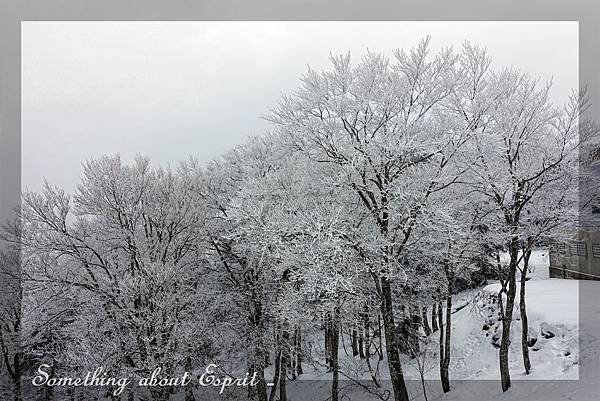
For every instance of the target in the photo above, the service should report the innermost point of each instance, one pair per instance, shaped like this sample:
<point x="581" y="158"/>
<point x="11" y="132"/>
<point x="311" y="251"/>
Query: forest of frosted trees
<point x="383" y="187"/>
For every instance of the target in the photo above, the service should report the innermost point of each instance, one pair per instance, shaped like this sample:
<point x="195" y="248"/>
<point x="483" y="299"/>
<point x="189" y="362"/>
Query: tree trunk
<point x="405" y="334"/>
<point x="260" y="357"/>
<point x="292" y="359"/>
<point x="379" y="330"/>
<point x="189" y="393"/>
<point x="415" y="324"/>
<point x="283" y="364"/>
<point x="367" y="346"/>
<point x="335" y="338"/>
<point x="523" y="310"/>
<point x="299" y="351"/>
<point x="276" y="375"/>
<point x="294" y="354"/>
<point x="395" y="367"/>
<point x="328" y="341"/>
<point x="434" y="318"/>
<point x="361" y="343"/>
<point x="441" y="342"/>
<point x="354" y="342"/>
<point x="507" y="314"/>
<point x="445" y="334"/>
<point x="16" y="377"/>
<point x="423" y="387"/>
<point x="445" y="343"/>
<point x="425" y="322"/>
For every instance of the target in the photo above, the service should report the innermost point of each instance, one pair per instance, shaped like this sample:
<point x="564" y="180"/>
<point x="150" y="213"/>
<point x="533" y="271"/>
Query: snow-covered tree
<point x="125" y="246"/>
<point x="390" y="129"/>
<point x="522" y="150"/>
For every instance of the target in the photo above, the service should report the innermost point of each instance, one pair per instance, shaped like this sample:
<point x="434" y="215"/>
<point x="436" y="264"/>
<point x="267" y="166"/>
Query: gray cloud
<point x="169" y="90"/>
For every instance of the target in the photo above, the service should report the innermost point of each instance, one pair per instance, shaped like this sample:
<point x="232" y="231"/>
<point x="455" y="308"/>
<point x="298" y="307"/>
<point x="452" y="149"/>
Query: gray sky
<point x="173" y="89"/>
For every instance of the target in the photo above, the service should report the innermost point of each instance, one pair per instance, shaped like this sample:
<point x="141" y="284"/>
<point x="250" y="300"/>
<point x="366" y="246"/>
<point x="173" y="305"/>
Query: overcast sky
<point x="169" y="90"/>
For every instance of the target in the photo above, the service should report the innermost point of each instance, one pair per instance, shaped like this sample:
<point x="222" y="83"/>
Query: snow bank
<point x="554" y="301"/>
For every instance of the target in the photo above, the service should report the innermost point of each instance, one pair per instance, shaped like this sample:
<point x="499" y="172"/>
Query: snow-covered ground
<point x="587" y="388"/>
<point x="553" y="314"/>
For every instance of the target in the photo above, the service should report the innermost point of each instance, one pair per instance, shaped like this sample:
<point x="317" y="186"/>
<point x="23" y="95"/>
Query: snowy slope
<point x="553" y="311"/>
<point x="587" y="388"/>
<point x="553" y="324"/>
